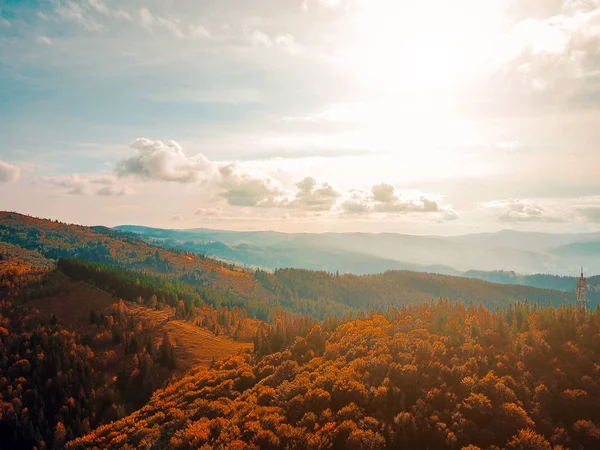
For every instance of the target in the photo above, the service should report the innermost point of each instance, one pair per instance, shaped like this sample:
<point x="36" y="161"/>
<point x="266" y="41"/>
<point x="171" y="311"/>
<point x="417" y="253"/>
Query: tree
<point x="60" y="435"/>
<point x="528" y="440"/>
<point x="166" y="353"/>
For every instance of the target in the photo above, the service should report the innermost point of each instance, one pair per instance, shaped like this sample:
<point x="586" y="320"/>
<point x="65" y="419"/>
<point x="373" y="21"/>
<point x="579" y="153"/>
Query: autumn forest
<point x="110" y="342"/>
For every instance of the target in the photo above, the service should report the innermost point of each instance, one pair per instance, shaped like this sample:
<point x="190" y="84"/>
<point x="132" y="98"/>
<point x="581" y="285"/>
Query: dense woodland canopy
<point x="437" y="376"/>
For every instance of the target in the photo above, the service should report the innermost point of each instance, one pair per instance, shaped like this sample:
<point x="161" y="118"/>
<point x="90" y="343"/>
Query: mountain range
<point x="363" y="253"/>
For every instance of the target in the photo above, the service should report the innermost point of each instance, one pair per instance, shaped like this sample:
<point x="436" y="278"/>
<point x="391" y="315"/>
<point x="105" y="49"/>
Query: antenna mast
<point x="582" y="300"/>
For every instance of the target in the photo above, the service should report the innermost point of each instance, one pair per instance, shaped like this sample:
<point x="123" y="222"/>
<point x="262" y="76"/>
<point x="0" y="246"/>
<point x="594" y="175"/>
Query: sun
<point x="420" y="48"/>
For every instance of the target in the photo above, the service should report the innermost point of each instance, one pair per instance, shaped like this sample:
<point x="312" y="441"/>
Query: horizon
<point x="308" y="115"/>
<point x="418" y="268"/>
<point x="503" y="230"/>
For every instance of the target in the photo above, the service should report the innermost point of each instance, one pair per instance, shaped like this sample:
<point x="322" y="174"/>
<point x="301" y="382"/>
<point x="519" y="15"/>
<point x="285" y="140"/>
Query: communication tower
<point x="582" y="300"/>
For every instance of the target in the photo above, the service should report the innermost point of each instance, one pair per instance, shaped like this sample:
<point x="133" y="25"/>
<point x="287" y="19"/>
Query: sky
<point x="303" y="115"/>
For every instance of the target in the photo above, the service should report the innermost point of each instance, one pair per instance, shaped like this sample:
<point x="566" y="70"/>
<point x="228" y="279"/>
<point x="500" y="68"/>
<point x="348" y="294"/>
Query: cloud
<point x="285" y="42"/>
<point x="385" y="198"/>
<point x="332" y="4"/>
<point x="314" y="197"/>
<point x="591" y="213"/>
<point x="522" y="210"/>
<point x="198" y="31"/>
<point x="178" y="217"/>
<point x="588" y="208"/>
<point x="165" y="161"/>
<point x="114" y="191"/>
<point x="80" y="14"/>
<point x="150" y="21"/>
<point x="77" y="184"/>
<point x="44" y="40"/>
<point x="243" y="189"/>
<point x="259" y="39"/>
<point x="448" y="215"/>
<point x="208" y="212"/>
<point x="9" y="172"/>
<point x="99" y="6"/>
<point x="384" y="193"/>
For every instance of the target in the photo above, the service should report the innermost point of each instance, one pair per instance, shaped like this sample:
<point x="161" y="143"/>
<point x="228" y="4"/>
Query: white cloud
<point x="284" y="42"/>
<point x="325" y="3"/>
<point x="79" y="14"/>
<point x="123" y="15"/>
<point x="165" y="161"/>
<point x="99" y="6"/>
<point x="44" y="40"/>
<point x="588" y="208"/>
<point x="243" y="189"/>
<point x="208" y="212"/>
<point x="524" y="210"/>
<point x="9" y="172"/>
<point x="76" y="184"/>
<point x="198" y="31"/>
<point x="385" y="198"/>
<point x="150" y="22"/>
<point x="259" y="39"/>
<point x="178" y="217"/>
<point x="287" y="43"/>
<point x="448" y="215"/>
<point x="313" y="196"/>
<point x="114" y="191"/>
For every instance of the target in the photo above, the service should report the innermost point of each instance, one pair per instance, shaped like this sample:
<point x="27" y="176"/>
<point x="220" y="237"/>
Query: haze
<point x="309" y="115"/>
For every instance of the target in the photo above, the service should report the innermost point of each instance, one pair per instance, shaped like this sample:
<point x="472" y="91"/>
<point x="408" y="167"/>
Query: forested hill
<point x="315" y="293"/>
<point x="426" y="377"/>
<point x="55" y="240"/>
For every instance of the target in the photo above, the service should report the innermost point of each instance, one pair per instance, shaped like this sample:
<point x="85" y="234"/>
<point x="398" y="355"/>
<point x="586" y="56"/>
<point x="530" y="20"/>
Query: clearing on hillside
<point x="195" y="346"/>
<point x="72" y="306"/>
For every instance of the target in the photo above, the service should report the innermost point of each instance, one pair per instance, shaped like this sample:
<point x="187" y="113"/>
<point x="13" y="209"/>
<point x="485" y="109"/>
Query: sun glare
<point x="413" y="63"/>
<point x="403" y="48"/>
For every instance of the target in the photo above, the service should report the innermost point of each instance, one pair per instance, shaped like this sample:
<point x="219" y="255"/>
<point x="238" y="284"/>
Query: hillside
<point x="194" y="346"/>
<point x="290" y="359"/>
<point x="364" y="253"/>
<point x="426" y="377"/>
<point x="313" y="293"/>
<point x="54" y="240"/>
<point x="73" y="356"/>
<point x="555" y="282"/>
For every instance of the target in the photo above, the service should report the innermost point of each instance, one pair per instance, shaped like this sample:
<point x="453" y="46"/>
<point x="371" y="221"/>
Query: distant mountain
<point x="309" y="292"/>
<point x="363" y="253"/>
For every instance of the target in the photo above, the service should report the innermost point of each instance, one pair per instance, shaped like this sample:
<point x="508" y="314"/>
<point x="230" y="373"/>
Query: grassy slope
<point x="195" y="346"/>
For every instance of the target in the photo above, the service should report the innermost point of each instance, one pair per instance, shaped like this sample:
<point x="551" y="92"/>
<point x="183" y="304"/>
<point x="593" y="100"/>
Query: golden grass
<point x="195" y="346"/>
